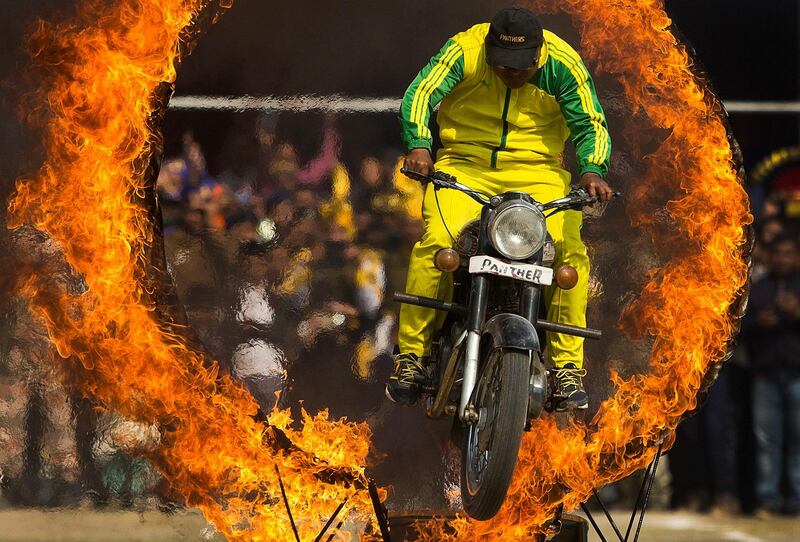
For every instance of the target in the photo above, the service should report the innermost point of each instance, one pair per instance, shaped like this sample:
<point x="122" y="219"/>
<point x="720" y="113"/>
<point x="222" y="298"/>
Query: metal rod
<point x="529" y="304"/>
<point x="470" y="373"/>
<point x="286" y="503"/>
<point x="649" y="489"/>
<point x="448" y="378"/>
<point x="608" y="516"/>
<point x="430" y="303"/>
<point x="763" y="107"/>
<point x="330" y="520"/>
<point x="593" y="522"/>
<point x="338" y="526"/>
<point x="639" y="498"/>
<point x="380" y="511"/>
<point x="342" y="104"/>
<point x="585" y="332"/>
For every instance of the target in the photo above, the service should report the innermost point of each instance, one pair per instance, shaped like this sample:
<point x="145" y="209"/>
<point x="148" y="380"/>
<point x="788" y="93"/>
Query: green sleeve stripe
<point x="429" y="84"/>
<point x="581" y="76"/>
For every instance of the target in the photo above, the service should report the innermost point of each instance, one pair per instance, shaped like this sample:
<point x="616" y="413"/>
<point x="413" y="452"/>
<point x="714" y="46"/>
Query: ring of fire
<point x="104" y="73"/>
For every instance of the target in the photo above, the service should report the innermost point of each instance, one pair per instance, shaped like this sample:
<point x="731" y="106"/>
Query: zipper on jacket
<point x="503" y="137"/>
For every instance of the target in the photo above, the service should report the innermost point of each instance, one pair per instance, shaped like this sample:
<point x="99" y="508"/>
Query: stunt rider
<point x="510" y="94"/>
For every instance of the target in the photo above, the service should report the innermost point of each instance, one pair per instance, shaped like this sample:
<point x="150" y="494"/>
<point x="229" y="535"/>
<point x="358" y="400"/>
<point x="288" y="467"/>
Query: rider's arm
<point x="432" y="84"/>
<point x="582" y="110"/>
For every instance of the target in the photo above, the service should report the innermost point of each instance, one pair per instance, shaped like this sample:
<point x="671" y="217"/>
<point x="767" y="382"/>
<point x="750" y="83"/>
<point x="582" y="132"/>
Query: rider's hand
<point x="420" y="161"/>
<point x="596" y="186"/>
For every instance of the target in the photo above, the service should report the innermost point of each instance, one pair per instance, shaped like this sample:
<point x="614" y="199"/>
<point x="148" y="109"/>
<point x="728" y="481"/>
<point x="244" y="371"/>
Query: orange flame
<point x="686" y="303"/>
<point x="213" y="450"/>
<point x="102" y="72"/>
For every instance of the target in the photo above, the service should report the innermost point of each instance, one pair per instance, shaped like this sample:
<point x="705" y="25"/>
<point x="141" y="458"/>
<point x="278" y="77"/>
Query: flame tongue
<point x="108" y="64"/>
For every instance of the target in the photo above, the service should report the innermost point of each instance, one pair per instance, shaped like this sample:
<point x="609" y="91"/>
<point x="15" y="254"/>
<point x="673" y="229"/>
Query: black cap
<point x="514" y="36"/>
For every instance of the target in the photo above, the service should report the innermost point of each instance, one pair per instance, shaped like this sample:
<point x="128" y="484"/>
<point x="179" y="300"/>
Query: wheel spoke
<point x="487" y="398"/>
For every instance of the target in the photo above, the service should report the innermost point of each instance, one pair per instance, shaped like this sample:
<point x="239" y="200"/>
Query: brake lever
<point x="443" y="178"/>
<point x="586" y="199"/>
<point x="439" y="179"/>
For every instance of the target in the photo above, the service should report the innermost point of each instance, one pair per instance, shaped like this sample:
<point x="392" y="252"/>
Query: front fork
<point x="472" y="351"/>
<point x="478" y="299"/>
<point x="529" y="309"/>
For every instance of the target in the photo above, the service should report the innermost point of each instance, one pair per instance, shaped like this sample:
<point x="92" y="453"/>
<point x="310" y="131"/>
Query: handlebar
<point x="576" y="199"/>
<point x="439" y="179"/>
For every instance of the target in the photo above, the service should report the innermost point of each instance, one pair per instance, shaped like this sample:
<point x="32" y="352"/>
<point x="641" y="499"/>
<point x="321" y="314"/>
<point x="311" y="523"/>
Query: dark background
<point x="369" y="48"/>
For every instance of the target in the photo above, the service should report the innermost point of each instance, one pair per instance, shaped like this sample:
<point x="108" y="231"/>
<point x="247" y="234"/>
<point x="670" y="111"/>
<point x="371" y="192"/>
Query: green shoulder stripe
<point x="430" y="86"/>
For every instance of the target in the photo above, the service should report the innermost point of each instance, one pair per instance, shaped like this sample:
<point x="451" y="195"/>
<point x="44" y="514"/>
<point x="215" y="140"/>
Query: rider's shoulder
<point x="472" y="38"/>
<point x="559" y="46"/>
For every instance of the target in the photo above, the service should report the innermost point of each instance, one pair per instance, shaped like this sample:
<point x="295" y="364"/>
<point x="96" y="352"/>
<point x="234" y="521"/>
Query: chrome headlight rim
<point x="537" y="220"/>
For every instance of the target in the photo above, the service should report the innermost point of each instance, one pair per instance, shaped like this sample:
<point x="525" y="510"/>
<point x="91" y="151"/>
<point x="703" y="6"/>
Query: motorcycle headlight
<point x="517" y="230"/>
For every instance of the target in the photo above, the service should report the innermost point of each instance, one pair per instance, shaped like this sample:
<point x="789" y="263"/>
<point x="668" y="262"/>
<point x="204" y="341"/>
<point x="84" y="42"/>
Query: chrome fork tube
<point x="471" y="357"/>
<point x="478" y="298"/>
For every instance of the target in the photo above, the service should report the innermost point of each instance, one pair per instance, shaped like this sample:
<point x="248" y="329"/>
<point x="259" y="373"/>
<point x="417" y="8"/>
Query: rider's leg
<point x="567" y="306"/>
<point x="545" y="184"/>
<point x="417" y="324"/>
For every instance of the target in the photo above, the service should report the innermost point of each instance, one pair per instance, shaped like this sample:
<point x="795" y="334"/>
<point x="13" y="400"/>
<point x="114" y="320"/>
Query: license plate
<point x="519" y="271"/>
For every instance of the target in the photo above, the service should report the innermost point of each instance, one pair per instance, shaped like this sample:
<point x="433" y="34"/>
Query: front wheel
<point x="490" y="447"/>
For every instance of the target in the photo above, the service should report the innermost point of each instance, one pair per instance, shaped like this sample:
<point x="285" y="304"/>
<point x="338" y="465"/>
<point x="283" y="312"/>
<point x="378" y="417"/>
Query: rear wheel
<point x="490" y="447"/>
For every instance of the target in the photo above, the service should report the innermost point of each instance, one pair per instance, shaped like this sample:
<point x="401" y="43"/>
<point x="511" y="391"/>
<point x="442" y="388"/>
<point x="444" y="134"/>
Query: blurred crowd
<point x="317" y="242"/>
<point x="741" y="451"/>
<point x="283" y="264"/>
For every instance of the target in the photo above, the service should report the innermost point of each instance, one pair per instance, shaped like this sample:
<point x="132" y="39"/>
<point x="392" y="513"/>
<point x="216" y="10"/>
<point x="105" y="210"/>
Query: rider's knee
<point x="433" y="240"/>
<point x="573" y="254"/>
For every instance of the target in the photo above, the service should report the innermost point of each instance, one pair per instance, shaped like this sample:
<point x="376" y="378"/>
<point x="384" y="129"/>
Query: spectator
<point x="169" y="187"/>
<point x="283" y="168"/>
<point x="195" y="177"/>
<point x="768" y="228"/>
<point x="321" y="166"/>
<point x="703" y="461"/>
<point x="772" y="332"/>
<point x="371" y="183"/>
<point x="265" y="128"/>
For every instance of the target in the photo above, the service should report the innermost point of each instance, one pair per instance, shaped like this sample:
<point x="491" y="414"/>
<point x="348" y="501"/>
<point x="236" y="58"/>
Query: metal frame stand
<point x="380" y="513"/>
<point x="640" y="507"/>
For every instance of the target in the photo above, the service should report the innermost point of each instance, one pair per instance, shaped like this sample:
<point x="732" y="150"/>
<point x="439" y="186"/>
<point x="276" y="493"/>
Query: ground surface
<point x="94" y="526"/>
<point x="685" y="527"/>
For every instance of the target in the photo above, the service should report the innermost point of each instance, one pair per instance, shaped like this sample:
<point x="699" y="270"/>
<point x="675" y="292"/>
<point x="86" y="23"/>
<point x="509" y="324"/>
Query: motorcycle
<point x="486" y="360"/>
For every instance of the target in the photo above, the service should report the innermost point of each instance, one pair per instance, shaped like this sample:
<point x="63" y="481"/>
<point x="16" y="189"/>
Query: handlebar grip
<point x="417" y="176"/>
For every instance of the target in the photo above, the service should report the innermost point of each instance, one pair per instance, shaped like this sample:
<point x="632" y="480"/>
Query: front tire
<point x="490" y="447"/>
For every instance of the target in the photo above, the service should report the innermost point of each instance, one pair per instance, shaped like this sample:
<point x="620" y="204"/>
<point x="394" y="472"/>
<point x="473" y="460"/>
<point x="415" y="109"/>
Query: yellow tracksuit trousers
<point x="544" y="182"/>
